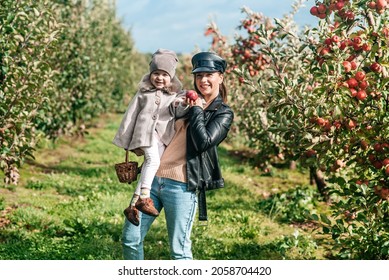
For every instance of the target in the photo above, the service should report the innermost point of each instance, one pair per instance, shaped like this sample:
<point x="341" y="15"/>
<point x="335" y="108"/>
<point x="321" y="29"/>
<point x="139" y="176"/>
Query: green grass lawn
<point x="69" y="205"/>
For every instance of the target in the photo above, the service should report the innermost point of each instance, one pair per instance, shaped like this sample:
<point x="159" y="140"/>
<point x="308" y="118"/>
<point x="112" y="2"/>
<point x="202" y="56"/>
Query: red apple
<point x="321" y="121"/>
<point x="371" y="5"/>
<point x="337" y="124"/>
<point x="328" y="41"/>
<point x="322" y="16"/>
<point x="363" y="84"/>
<point x="375" y="67"/>
<point x="192" y="95"/>
<point x="324" y="51"/>
<point x="349" y="15"/>
<point x="384" y="193"/>
<point x="310" y="153"/>
<point x="343" y="45"/>
<point x="339" y="5"/>
<point x="377" y="147"/>
<point x="335" y="39"/>
<point x="377" y="164"/>
<point x="364" y="145"/>
<point x="314" y="11"/>
<point x="357" y="40"/>
<point x="247" y="54"/>
<point x="385" y="31"/>
<point x="321" y="9"/>
<point x="361" y="95"/>
<point x="351" y="57"/>
<point x="352" y="83"/>
<point x="366" y="47"/>
<point x="347" y="66"/>
<point x="381" y="4"/>
<point x="360" y="75"/>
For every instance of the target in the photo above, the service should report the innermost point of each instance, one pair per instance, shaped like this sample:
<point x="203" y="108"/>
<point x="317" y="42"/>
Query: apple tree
<point x="63" y="63"/>
<point x="321" y="97"/>
<point x="352" y="56"/>
<point x="28" y="30"/>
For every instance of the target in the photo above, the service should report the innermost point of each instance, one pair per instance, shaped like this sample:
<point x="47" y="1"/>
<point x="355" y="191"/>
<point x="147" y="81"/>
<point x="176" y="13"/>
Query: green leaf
<point x="302" y="47"/>
<point x="263" y="41"/>
<point x="19" y="37"/>
<point x="324" y="219"/>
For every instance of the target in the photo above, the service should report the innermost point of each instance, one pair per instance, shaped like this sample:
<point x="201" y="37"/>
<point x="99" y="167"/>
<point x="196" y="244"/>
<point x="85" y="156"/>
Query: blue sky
<point x="179" y="25"/>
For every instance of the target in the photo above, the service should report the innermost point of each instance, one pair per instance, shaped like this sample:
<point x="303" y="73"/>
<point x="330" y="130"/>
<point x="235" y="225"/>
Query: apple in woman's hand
<point x="192" y="95"/>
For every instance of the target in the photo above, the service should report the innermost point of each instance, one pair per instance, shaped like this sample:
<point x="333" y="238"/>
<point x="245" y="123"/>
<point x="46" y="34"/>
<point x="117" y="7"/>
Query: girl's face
<point x="208" y="84"/>
<point x="160" y="79"/>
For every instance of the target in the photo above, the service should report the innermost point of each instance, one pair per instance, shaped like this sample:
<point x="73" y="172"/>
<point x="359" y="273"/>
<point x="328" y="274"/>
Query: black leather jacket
<point x="207" y="129"/>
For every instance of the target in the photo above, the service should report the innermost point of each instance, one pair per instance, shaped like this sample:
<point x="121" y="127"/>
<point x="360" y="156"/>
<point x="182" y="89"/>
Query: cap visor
<point x="204" y="69"/>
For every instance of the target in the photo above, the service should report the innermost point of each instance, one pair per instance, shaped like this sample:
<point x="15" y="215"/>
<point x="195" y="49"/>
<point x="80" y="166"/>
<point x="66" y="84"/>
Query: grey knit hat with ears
<point x="165" y="60"/>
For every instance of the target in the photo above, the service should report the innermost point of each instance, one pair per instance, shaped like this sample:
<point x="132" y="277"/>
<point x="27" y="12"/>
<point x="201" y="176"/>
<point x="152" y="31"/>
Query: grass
<point x="69" y="205"/>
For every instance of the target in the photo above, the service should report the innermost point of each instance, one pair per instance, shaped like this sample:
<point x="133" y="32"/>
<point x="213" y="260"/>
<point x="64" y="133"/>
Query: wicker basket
<point x="127" y="171"/>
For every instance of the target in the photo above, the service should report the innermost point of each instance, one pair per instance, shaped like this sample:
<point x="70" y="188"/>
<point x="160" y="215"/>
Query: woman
<point x="189" y="163"/>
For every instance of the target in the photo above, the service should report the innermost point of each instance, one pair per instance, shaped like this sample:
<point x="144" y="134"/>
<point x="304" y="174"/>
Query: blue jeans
<point x="180" y="210"/>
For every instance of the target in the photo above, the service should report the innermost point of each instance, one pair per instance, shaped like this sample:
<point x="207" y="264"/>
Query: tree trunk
<point x="316" y="176"/>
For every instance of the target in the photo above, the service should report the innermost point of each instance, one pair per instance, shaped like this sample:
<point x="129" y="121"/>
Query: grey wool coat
<point x="150" y="110"/>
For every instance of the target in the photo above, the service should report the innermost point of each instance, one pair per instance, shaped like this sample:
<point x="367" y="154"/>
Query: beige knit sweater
<point x="173" y="160"/>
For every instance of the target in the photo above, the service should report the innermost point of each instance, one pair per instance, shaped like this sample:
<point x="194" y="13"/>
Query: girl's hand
<point x="178" y="101"/>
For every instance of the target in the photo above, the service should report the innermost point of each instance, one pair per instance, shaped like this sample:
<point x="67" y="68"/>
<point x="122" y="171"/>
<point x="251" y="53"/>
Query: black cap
<point x="208" y="62"/>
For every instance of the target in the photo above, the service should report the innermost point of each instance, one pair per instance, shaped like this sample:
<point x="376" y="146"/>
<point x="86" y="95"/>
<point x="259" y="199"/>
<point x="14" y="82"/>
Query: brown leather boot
<point x="132" y="215"/>
<point x="146" y="205"/>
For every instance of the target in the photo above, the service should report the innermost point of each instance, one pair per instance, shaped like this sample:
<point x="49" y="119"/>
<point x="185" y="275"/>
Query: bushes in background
<point x="62" y="64"/>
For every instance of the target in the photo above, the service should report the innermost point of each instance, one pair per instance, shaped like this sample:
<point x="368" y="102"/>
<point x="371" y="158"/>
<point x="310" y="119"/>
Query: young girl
<point x="148" y="126"/>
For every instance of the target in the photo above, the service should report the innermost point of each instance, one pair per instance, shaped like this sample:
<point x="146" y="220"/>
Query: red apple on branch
<point x="363" y="84"/>
<point x="321" y="9"/>
<point x="352" y="83"/>
<point x="347" y="66"/>
<point x="314" y="11"/>
<point x="376" y="67"/>
<point x="360" y="75"/>
<point x="372" y="5"/>
<point x="381" y="4"/>
<point x="361" y="95"/>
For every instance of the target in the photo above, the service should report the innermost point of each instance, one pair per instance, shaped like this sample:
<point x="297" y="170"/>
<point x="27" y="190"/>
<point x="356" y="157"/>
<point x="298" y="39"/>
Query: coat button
<point x="157" y="102"/>
<point x="154" y="117"/>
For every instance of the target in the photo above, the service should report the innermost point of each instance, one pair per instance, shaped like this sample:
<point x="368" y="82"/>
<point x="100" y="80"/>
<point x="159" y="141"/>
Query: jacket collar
<point x="145" y="85"/>
<point x="216" y="103"/>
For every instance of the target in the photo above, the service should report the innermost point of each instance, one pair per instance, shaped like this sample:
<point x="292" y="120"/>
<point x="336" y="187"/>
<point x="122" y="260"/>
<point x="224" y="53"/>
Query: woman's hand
<point x="197" y="102"/>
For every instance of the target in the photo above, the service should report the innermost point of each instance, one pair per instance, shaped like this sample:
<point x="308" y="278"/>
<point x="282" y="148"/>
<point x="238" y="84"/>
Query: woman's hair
<point x="223" y="92"/>
<point x="222" y="89"/>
